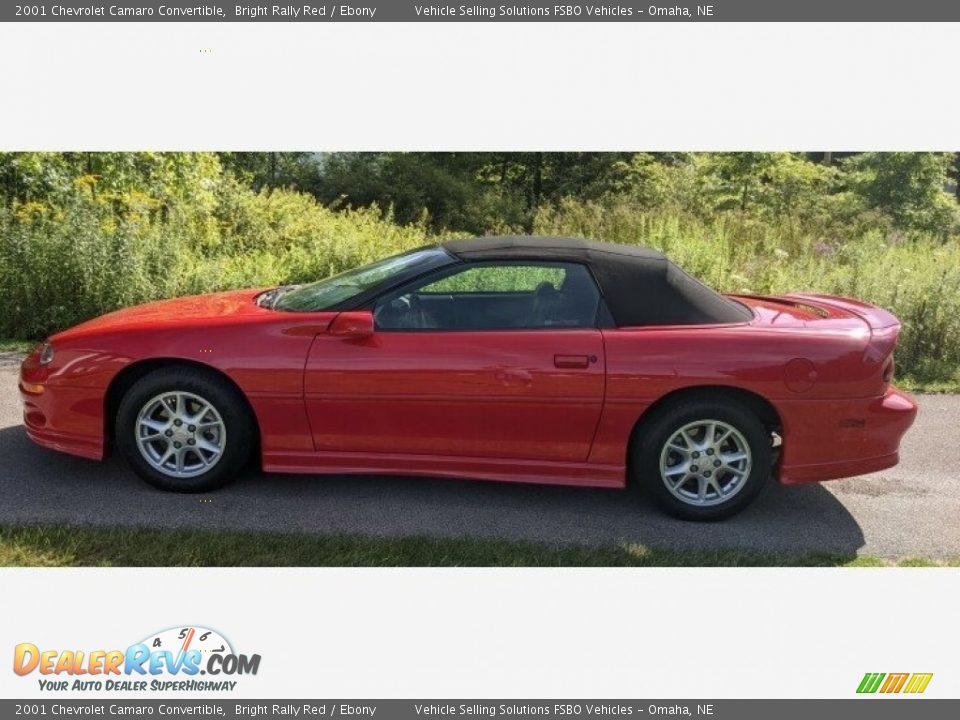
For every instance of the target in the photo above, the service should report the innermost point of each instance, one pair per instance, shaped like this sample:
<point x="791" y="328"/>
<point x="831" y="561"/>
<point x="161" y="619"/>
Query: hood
<point x="228" y="306"/>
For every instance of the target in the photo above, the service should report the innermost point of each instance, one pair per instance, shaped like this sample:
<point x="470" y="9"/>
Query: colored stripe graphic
<point x="918" y="682"/>
<point x="894" y="683"/>
<point x="870" y="682"/>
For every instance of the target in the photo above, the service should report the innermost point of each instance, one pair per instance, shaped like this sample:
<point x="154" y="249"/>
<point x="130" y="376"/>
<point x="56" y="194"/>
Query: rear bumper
<point x="837" y="439"/>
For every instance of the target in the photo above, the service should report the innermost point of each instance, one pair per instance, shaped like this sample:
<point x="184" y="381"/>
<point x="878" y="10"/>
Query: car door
<point x="489" y="360"/>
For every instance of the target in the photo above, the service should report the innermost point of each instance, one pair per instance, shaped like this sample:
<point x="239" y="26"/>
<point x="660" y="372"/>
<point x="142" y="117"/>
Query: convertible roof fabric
<point x="641" y="286"/>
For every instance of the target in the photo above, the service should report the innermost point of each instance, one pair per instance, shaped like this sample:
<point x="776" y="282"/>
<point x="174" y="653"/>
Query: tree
<point x="297" y="170"/>
<point x="907" y="186"/>
<point x="779" y="183"/>
<point x="955" y="174"/>
<point x="471" y="191"/>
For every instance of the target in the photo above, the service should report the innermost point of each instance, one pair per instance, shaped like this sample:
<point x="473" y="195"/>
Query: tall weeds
<point x="63" y="263"/>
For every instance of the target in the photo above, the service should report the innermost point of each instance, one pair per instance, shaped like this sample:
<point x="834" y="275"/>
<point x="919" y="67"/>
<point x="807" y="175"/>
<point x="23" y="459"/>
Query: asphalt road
<point x="910" y="510"/>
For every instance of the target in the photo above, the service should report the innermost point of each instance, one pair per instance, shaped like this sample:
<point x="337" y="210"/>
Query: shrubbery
<point x="78" y="241"/>
<point x="89" y="254"/>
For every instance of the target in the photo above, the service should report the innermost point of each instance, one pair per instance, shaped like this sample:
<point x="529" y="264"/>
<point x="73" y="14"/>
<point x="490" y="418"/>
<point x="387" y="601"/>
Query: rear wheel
<point x="703" y="459"/>
<point x="184" y="429"/>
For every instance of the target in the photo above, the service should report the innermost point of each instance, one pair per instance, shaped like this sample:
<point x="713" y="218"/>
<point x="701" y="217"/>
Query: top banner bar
<point x="485" y="11"/>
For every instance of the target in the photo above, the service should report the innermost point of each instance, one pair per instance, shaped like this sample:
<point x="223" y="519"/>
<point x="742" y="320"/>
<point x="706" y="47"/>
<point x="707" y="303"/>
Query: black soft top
<point x="641" y="286"/>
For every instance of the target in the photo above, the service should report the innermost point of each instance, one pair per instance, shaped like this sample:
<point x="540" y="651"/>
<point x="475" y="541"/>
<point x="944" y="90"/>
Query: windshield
<point x="327" y="294"/>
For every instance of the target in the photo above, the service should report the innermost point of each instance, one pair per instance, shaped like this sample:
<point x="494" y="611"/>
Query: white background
<point x="475" y="86"/>
<point x="520" y="633"/>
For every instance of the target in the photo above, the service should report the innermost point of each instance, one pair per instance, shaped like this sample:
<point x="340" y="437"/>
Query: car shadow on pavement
<point x="41" y="486"/>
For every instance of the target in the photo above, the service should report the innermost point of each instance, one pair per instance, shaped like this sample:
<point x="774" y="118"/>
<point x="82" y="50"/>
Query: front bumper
<point x="826" y="440"/>
<point x="63" y="418"/>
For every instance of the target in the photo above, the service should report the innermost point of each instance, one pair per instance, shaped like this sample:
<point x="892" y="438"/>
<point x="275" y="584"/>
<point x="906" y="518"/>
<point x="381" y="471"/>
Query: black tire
<point x="653" y="436"/>
<point x="238" y="438"/>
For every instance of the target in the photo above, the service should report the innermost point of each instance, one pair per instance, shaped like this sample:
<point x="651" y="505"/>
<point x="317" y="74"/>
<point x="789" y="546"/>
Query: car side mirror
<point x="353" y="324"/>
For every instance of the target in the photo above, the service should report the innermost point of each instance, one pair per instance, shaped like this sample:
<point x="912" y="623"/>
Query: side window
<point x="498" y="278"/>
<point x="495" y="296"/>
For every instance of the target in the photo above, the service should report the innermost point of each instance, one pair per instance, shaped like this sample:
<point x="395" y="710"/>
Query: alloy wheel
<point x="705" y="463"/>
<point x="180" y="434"/>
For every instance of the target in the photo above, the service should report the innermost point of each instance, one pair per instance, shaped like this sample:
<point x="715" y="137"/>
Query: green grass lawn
<point x="61" y="546"/>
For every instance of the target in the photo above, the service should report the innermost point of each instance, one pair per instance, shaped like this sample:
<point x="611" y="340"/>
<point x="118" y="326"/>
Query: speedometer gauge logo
<point x="172" y="659"/>
<point x="199" y="638"/>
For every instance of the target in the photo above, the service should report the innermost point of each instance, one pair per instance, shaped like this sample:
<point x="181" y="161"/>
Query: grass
<point x="62" y="546"/>
<point x="13" y="345"/>
<point x="942" y="387"/>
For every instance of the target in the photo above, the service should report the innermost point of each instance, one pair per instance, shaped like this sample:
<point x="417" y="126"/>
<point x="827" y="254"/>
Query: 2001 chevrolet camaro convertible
<point x="545" y="360"/>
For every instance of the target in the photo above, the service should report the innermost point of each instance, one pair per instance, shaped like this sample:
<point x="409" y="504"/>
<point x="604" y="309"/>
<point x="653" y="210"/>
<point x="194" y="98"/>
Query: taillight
<point x="888" y="371"/>
<point x="882" y="342"/>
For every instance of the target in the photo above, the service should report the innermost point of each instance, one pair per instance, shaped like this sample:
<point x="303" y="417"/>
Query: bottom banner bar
<point x="873" y="709"/>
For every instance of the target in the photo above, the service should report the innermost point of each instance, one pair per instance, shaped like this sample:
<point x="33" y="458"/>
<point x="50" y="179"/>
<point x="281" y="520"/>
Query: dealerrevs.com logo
<point x="175" y="659"/>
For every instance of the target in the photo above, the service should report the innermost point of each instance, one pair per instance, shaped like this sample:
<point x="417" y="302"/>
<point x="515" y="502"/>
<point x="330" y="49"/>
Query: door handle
<point x="572" y="361"/>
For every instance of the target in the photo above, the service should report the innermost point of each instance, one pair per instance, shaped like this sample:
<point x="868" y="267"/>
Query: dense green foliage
<point x="483" y="192"/>
<point x="84" y="233"/>
<point x="91" y="244"/>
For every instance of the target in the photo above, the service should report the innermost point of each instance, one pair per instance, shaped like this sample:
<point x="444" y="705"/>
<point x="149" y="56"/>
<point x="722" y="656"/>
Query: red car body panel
<point x="551" y="405"/>
<point x="473" y="394"/>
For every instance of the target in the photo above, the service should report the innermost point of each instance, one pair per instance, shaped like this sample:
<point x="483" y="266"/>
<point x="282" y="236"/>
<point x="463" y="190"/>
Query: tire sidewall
<point x="662" y="427"/>
<point x="211" y="388"/>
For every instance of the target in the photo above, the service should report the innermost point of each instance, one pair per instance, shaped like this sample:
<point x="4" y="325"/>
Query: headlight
<point x="46" y="353"/>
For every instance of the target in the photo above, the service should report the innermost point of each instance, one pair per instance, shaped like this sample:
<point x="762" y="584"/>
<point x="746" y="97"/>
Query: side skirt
<point x="523" y="471"/>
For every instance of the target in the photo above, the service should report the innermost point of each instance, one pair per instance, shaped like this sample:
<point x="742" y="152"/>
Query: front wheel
<point x="703" y="459"/>
<point x="184" y="430"/>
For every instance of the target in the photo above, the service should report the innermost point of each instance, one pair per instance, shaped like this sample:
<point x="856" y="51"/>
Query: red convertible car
<point x="545" y="360"/>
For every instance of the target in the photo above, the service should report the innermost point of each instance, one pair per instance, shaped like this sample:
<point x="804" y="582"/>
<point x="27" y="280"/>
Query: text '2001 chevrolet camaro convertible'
<point x="547" y="360"/>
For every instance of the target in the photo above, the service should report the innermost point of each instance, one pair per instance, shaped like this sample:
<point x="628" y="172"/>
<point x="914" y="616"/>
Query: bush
<point x="62" y="265"/>
<point x="91" y="253"/>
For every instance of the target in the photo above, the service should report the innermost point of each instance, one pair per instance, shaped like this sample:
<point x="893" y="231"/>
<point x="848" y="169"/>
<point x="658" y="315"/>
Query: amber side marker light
<point x="32" y="388"/>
